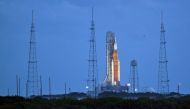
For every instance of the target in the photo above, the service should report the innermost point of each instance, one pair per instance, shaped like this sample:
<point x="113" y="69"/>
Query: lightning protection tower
<point x="163" y="81"/>
<point x="92" y="63"/>
<point x="133" y="80"/>
<point x="32" y="81"/>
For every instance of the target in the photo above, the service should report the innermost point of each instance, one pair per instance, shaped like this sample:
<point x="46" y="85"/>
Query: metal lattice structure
<point x="92" y="63"/>
<point x="163" y="81"/>
<point x="110" y="40"/>
<point x="32" y="84"/>
<point x="134" y="79"/>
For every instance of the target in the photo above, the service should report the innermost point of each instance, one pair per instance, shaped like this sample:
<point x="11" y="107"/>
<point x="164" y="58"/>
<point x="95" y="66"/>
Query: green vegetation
<point x="101" y="103"/>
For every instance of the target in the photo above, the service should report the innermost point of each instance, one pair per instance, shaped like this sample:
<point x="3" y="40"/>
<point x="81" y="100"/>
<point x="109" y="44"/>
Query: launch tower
<point x="32" y="84"/>
<point x="163" y="81"/>
<point x="92" y="63"/>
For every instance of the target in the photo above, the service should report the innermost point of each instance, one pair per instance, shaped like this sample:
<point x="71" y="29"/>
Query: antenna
<point x="65" y="90"/>
<point x="26" y="89"/>
<point x="161" y="16"/>
<point x="32" y="17"/>
<point x="17" y="85"/>
<point x="49" y="88"/>
<point x="92" y="13"/>
<point x="40" y="85"/>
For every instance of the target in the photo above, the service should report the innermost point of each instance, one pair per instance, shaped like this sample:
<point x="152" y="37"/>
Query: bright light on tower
<point x="136" y="89"/>
<point x="87" y="87"/>
<point x="128" y="84"/>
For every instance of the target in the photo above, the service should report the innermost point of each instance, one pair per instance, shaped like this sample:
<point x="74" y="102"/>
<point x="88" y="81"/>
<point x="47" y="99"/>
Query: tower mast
<point x="17" y="86"/>
<point x="50" y="88"/>
<point x="163" y="81"/>
<point x="32" y="82"/>
<point x="92" y="62"/>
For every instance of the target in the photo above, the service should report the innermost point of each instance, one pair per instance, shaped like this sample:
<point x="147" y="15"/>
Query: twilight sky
<point x="62" y="34"/>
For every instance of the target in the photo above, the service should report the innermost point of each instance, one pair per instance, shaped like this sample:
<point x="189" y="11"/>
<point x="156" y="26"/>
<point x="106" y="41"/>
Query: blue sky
<point x="62" y="31"/>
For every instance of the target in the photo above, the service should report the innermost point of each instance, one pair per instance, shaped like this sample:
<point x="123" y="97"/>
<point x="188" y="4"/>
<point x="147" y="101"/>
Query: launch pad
<point x="114" y="88"/>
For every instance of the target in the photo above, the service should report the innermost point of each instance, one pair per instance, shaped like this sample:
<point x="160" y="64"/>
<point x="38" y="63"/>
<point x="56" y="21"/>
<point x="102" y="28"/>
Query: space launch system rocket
<point x="112" y="60"/>
<point x="115" y="66"/>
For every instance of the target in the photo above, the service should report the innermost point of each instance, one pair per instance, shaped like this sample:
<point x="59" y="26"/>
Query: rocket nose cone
<point x="115" y="46"/>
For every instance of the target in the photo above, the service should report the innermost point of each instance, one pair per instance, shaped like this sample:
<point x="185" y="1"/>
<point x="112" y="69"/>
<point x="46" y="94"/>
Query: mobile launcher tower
<point x="112" y="80"/>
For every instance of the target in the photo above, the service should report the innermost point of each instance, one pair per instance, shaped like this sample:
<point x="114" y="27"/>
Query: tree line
<point x="12" y="102"/>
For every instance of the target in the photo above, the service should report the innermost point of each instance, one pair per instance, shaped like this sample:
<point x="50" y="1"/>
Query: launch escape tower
<point x="163" y="81"/>
<point x="92" y="63"/>
<point x="32" y="84"/>
<point x="133" y="80"/>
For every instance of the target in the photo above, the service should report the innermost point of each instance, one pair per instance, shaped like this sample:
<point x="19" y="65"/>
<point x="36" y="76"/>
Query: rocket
<point x="115" y="66"/>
